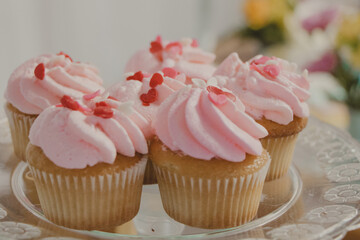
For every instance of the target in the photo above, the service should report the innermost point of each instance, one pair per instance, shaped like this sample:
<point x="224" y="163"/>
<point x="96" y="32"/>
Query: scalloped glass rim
<point x="338" y="230"/>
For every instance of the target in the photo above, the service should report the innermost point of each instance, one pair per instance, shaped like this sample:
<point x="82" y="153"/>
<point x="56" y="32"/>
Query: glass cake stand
<point x="319" y="198"/>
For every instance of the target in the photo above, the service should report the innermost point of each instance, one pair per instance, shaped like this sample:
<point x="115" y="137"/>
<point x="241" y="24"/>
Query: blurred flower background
<point x="322" y="36"/>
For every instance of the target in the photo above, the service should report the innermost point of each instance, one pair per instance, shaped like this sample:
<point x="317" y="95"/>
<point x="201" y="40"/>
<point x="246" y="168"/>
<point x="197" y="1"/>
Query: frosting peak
<point x="205" y="123"/>
<point x="147" y="91"/>
<point x="42" y="81"/>
<point x="269" y="87"/>
<point x="81" y="133"/>
<point x="184" y="56"/>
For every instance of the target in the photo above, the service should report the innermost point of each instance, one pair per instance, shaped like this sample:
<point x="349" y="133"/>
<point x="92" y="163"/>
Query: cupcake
<point x="147" y="92"/>
<point x="184" y="56"/>
<point x="39" y="83"/>
<point x="208" y="159"/>
<point x="87" y="163"/>
<point x="275" y="95"/>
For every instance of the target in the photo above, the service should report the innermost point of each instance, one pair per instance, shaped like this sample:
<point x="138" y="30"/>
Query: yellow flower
<point x="260" y="13"/>
<point x="355" y="58"/>
<point x="349" y="31"/>
<point x="279" y="8"/>
<point x="257" y="13"/>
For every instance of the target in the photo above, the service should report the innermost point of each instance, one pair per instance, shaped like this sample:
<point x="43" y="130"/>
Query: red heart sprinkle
<point x="102" y="104"/>
<point x="153" y="92"/>
<point x="149" y="97"/>
<point x="272" y="70"/>
<point x="215" y="90"/>
<point x="169" y="72"/>
<point x="40" y="71"/>
<point x="269" y="71"/>
<point x="103" y="111"/>
<point x="194" y="43"/>
<point x="218" y="91"/>
<point x="261" y="60"/>
<point x="157" y="79"/>
<point x="59" y="105"/>
<point x="217" y="99"/>
<point x="155" y="47"/>
<point x="67" y="56"/>
<point x="137" y="76"/>
<point x="70" y="103"/>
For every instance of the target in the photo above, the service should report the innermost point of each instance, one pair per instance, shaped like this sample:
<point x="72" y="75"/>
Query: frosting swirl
<point x="42" y="81"/>
<point x="269" y="87"/>
<point x="77" y="134"/>
<point x="206" y="123"/>
<point x="184" y="56"/>
<point x="138" y="86"/>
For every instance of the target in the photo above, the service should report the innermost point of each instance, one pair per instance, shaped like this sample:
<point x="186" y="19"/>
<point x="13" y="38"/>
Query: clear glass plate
<point x="318" y="199"/>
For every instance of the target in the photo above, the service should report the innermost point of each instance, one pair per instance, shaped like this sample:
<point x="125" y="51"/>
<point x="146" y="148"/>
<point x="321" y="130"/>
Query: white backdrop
<point x="105" y="32"/>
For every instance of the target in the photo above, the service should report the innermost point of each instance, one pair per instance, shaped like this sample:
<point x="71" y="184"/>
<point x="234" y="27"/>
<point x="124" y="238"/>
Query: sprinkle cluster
<point x="218" y="96"/>
<point x="139" y="76"/>
<point x="156" y="80"/>
<point x="157" y="48"/>
<point x="102" y="109"/>
<point x="39" y="70"/>
<point x="152" y="95"/>
<point x="269" y="70"/>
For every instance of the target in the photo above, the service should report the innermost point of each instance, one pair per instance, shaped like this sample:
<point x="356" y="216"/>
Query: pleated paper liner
<point x="281" y="150"/>
<point x="211" y="202"/>
<point x="20" y="124"/>
<point x="90" y="202"/>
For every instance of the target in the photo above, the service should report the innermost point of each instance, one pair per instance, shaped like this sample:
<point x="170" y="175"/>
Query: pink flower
<point x="319" y="20"/>
<point x="325" y="64"/>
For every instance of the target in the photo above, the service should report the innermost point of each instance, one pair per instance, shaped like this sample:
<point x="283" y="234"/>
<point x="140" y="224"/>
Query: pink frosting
<point x="31" y="95"/>
<point x="131" y="90"/>
<point x="75" y="139"/>
<point x="268" y="87"/>
<point x="205" y="124"/>
<point x="184" y="56"/>
<point x="143" y="60"/>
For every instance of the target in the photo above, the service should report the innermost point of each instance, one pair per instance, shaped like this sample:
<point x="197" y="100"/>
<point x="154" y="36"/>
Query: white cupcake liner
<point x="90" y="202"/>
<point x="281" y="151"/>
<point x="211" y="202"/>
<point x="19" y="127"/>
